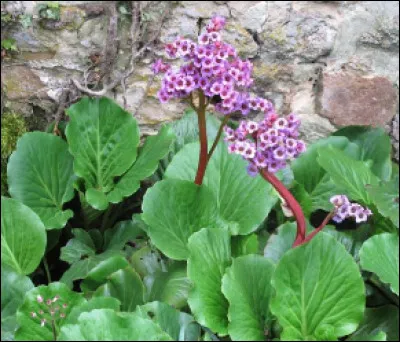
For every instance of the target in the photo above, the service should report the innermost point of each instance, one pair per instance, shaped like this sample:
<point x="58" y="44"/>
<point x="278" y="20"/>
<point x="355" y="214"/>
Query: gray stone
<point x="314" y="127"/>
<point x="250" y="14"/>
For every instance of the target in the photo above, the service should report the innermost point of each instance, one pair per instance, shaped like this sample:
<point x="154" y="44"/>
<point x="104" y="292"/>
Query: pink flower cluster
<point x="268" y="144"/>
<point x="49" y="310"/>
<point x="345" y="209"/>
<point x="212" y="67"/>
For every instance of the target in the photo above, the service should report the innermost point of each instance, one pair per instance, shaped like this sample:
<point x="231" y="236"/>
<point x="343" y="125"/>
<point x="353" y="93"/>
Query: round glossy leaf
<point x="13" y="289"/>
<point x="103" y="138"/>
<point x="108" y="325"/>
<point x="241" y="200"/>
<point x="210" y="254"/>
<point x="40" y="175"/>
<point x="23" y="236"/>
<point x="249" y="315"/>
<point x="319" y="291"/>
<point x="175" y="209"/>
<point x="32" y="311"/>
<point x="126" y="286"/>
<point x="380" y="255"/>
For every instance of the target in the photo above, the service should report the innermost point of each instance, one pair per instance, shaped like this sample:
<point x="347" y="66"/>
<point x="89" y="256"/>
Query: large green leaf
<point x="350" y="175"/>
<point x="319" y="291"/>
<point x="101" y="272"/>
<point x="126" y="286"/>
<point x="30" y="328"/>
<point x="13" y="289"/>
<point x="108" y="325"/>
<point x="174" y="210"/>
<point x="171" y="287"/>
<point x="351" y="239"/>
<point x="314" y="180"/>
<point x="374" y="145"/>
<point x="81" y="268"/>
<point x="384" y="318"/>
<point x="23" y="236"/>
<point x="242" y="200"/>
<point x="380" y="255"/>
<point x="386" y="198"/>
<point x="92" y="304"/>
<point x="40" y="175"/>
<point x="103" y="138"/>
<point x="249" y="316"/>
<point x="178" y="325"/>
<point x="154" y="149"/>
<point x="210" y="254"/>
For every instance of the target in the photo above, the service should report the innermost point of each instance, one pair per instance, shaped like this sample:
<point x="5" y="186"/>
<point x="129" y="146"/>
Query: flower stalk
<point x="218" y="136"/>
<point x="203" y="154"/>
<point x="291" y="202"/>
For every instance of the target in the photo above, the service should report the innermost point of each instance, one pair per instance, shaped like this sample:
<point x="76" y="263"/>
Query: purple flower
<point x="252" y="170"/>
<point x="270" y="148"/>
<point x="345" y="209"/>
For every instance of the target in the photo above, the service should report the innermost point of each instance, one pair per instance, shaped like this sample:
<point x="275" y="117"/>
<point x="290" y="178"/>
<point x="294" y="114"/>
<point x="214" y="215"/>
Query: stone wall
<point x="334" y="63"/>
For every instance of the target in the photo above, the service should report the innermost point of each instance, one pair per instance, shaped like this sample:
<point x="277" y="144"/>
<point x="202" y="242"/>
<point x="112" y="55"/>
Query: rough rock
<point x="313" y="127"/>
<point x="348" y="99"/>
<point x="22" y="83"/>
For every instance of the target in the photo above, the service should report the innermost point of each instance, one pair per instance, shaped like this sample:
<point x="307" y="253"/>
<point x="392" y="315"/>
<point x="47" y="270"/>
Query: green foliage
<point x="134" y="253"/>
<point x="40" y="175"/>
<point x="49" y="10"/>
<point x="9" y="44"/>
<point x="23" y="237"/>
<point x="322" y="286"/>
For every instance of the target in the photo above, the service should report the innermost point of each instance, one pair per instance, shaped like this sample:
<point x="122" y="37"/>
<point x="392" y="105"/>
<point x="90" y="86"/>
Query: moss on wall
<point x="13" y="126"/>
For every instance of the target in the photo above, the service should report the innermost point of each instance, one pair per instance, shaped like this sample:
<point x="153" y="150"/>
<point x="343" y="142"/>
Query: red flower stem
<point x="203" y="156"/>
<point x="291" y="202"/>
<point x="317" y="230"/>
<point x="218" y="136"/>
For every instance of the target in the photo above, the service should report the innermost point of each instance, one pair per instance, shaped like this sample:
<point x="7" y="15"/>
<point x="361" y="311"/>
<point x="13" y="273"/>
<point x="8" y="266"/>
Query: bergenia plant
<point x="104" y="238"/>
<point x="211" y="70"/>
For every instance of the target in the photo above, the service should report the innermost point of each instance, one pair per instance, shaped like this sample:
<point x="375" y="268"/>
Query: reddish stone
<point x="348" y="99"/>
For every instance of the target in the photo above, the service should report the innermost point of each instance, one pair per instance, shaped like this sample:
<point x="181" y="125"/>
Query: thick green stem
<point x="292" y="204"/>
<point x="219" y="133"/>
<point x="203" y="156"/>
